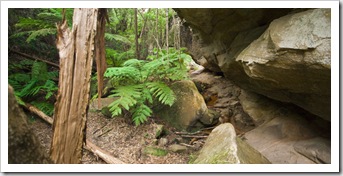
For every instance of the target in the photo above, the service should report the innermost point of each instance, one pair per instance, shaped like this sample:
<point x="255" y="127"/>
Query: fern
<point x="161" y="91"/>
<point x="128" y="96"/>
<point x="138" y="83"/>
<point x="28" y="86"/>
<point x="141" y="114"/>
<point x="117" y="37"/>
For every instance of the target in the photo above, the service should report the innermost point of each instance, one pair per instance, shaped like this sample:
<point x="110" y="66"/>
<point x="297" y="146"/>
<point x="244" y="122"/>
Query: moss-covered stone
<point x="223" y="147"/>
<point x="189" y="108"/>
<point x="155" y="151"/>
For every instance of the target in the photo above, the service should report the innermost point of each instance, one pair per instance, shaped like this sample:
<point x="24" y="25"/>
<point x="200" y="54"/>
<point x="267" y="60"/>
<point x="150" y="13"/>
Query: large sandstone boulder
<point x="189" y="112"/>
<point x="224" y="147"/>
<point x="216" y="29"/>
<point x="284" y="134"/>
<point x="284" y="54"/>
<point x="291" y="62"/>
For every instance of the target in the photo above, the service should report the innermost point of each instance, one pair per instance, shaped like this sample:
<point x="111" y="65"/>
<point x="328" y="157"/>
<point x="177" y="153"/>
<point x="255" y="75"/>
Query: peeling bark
<point x="76" y="51"/>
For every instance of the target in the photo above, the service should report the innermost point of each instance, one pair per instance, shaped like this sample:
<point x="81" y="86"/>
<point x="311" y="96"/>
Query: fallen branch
<point x="35" y="58"/>
<point x="107" y="157"/>
<point x="102" y="153"/>
<point x="193" y="136"/>
<point x="108" y="130"/>
<point x="39" y="113"/>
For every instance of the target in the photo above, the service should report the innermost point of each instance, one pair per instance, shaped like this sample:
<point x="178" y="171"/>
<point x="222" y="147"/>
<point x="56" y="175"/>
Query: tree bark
<point x="100" y="53"/>
<point x="23" y="145"/>
<point x="76" y="51"/>
<point x="167" y="32"/>
<point x="136" y="34"/>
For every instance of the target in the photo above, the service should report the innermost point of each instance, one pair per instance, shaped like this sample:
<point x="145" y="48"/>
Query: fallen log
<point x="35" y="58"/>
<point x="104" y="155"/>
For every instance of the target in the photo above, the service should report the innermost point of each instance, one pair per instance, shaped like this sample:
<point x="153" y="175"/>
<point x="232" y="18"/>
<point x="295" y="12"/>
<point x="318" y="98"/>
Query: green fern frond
<point x="117" y="37"/>
<point x="47" y="108"/>
<point x="29" y="89"/>
<point x="39" y="71"/>
<point x="141" y="114"/>
<point x="40" y="33"/>
<point x="161" y="91"/>
<point x="133" y="63"/>
<point x="119" y="74"/>
<point x="128" y="96"/>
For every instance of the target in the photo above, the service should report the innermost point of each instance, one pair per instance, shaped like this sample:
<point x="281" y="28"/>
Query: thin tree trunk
<point x="76" y="50"/>
<point x="158" y="45"/>
<point x="167" y="32"/>
<point x="100" y="53"/>
<point x="136" y="34"/>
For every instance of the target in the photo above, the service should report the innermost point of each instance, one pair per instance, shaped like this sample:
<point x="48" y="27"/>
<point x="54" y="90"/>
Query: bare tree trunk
<point x="23" y="145"/>
<point x="136" y="34"/>
<point x="167" y="32"/>
<point x="100" y="53"/>
<point x="76" y="50"/>
<point x="158" y="45"/>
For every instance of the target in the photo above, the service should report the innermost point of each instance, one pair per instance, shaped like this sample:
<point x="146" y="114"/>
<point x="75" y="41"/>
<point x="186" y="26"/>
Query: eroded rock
<point x="282" y="131"/>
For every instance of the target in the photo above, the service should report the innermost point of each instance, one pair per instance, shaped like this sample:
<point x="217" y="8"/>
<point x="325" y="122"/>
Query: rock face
<point x="289" y="60"/>
<point x="223" y="147"/>
<point x="23" y="145"/>
<point x="284" y="135"/>
<point x="189" y="110"/>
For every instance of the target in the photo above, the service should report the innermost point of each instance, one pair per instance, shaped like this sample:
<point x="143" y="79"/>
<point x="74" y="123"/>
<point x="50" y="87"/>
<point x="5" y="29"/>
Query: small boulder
<point x="189" y="112"/>
<point x="177" y="148"/>
<point x="223" y="147"/>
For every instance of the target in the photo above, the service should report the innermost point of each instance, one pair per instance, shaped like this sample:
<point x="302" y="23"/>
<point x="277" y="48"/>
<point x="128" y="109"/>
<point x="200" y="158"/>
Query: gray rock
<point x="177" y="148"/>
<point x="162" y="142"/>
<point x="317" y="149"/>
<point x="158" y="130"/>
<point x="223" y="147"/>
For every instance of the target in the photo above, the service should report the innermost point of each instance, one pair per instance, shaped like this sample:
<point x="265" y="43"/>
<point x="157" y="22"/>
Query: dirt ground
<point x="127" y="142"/>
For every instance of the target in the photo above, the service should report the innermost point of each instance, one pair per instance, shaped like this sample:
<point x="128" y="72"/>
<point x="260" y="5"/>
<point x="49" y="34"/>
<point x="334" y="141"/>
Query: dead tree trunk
<point x="76" y="51"/>
<point x="23" y="145"/>
<point x="100" y="53"/>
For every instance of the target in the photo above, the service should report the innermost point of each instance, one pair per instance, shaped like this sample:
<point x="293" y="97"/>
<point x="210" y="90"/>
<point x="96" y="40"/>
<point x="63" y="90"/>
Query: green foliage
<point x="38" y="83"/>
<point x="138" y="83"/>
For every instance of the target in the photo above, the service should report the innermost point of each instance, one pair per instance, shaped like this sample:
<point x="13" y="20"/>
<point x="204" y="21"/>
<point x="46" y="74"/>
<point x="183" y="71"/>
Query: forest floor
<point x="129" y="143"/>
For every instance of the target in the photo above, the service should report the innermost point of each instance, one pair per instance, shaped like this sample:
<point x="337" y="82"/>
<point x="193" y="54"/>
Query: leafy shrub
<point x="139" y="82"/>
